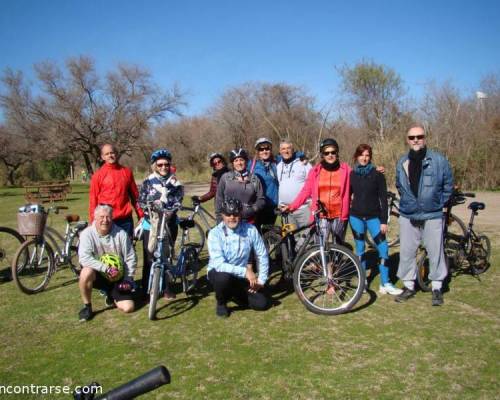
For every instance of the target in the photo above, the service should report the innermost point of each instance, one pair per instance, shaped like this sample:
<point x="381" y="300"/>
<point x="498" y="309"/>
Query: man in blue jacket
<point x="230" y="271"/>
<point x="425" y="182"/>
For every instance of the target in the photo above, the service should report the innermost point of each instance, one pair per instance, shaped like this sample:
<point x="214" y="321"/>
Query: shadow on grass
<point x="177" y="307"/>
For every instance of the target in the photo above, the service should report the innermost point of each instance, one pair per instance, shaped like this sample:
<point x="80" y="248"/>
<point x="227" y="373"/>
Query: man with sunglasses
<point x="114" y="185"/>
<point x="425" y="182"/>
<point x="230" y="245"/>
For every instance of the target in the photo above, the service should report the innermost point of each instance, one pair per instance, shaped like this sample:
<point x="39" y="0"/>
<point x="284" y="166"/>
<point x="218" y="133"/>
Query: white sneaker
<point x="389" y="288"/>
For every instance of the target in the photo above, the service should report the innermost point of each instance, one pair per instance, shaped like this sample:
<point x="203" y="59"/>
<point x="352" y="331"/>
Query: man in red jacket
<point x="114" y="184"/>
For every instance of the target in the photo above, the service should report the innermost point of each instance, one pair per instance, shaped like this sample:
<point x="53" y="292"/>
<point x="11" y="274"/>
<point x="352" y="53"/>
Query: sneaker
<point x="437" y="298"/>
<point x="389" y="288"/>
<point x="222" y="311"/>
<point x="85" y="314"/>
<point x="108" y="300"/>
<point x="405" y="295"/>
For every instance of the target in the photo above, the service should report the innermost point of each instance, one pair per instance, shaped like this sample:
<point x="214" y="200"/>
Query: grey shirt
<point x="93" y="245"/>
<point x="291" y="178"/>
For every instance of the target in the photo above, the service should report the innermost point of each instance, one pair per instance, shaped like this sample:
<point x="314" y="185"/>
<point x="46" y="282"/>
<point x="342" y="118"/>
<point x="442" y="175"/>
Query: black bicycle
<point x="465" y="250"/>
<point x="10" y="240"/>
<point x="327" y="277"/>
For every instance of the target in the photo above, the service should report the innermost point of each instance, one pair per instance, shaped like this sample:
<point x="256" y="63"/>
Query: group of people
<point x="247" y="193"/>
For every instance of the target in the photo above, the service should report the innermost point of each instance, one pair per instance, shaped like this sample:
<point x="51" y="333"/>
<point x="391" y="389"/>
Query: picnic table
<point x="47" y="191"/>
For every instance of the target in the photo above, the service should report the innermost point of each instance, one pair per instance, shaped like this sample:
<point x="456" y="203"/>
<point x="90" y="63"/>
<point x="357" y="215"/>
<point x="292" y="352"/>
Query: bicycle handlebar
<point x="147" y="382"/>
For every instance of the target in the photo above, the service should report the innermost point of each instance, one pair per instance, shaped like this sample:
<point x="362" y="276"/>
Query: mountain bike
<point x="166" y="267"/>
<point x="147" y="382"/>
<point x="10" y="240"/>
<point x="392" y="235"/>
<point x="465" y="250"/>
<point x="327" y="278"/>
<point x="38" y="258"/>
<point x="195" y="234"/>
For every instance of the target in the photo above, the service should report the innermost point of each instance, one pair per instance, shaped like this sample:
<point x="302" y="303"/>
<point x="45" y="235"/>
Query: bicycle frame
<point x="202" y="213"/>
<point x="159" y="261"/>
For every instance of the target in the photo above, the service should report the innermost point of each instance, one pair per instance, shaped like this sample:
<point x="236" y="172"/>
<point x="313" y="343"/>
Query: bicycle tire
<point x="423" y="271"/>
<point x="332" y="295"/>
<point x="190" y="269"/>
<point x="481" y="252"/>
<point x="33" y="266"/>
<point x="10" y="240"/>
<point x="154" y="294"/>
<point x="73" y="260"/>
<point x="192" y="236"/>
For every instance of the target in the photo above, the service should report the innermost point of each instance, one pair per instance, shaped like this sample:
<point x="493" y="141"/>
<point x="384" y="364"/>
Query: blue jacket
<point x="434" y="190"/>
<point x="230" y="250"/>
<point x="269" y="178"/>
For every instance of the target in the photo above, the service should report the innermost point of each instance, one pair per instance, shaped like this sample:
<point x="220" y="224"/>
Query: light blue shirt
<point x="230" y="250"/>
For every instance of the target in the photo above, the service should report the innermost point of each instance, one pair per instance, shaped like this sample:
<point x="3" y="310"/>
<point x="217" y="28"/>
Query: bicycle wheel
<point x="33" y="265"/>
<point x="191" y="269"/>
<point x="272" y="240"/>
<point x="190" y="234"/>
<point x="392" y="235"/>
<point x="73" y="261"/>
<point x="154" y="293"/>
<point x="10" y="240"/>
<point x="339" y="290"/>
<point x="480" y="255"/>
<point x="423" y="271"/>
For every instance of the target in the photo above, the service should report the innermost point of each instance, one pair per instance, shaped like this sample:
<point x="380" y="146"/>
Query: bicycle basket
<point x="31" y="223"/>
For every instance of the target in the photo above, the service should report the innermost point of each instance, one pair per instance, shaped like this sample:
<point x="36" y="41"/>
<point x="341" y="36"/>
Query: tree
<point x="76" y="111"/>
<point x="15" y="151"/>
<point x="376" y="92"/>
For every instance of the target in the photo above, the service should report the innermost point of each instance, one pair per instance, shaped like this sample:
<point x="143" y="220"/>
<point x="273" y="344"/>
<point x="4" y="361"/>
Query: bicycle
<point x="392" y="235"/>
<point x="165" y="265"/>
<point x="10" y="240"/>
<point x="38" y="258"/>
<point x="465" y="250"/>
<point x="327" y="278"/>
<point x="195" y="234"/>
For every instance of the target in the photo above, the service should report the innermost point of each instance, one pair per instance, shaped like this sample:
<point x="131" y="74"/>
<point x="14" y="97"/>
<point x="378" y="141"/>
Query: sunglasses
<point x="265" y="149"/>
<point x="417" y="137"/>
<point x="163" y="165"/>
<point x="231" y="214"/>
<point x="217" y="162"/>
<point x="329" y="153"/>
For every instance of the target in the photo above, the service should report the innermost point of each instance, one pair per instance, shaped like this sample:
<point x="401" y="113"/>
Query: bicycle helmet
<point x="262" y="140"/>
<point x="160" y="153"/>
<point x="328" y="142"/>
<point x="236" y="153"/>
<point x="212" y="156"/>
<point x="232" y="206"/>
<point x="112" y="260"/>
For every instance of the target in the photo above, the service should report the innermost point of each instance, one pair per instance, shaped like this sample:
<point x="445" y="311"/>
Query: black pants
<point x="229" y="287"/>
<point x="148" y="256"/>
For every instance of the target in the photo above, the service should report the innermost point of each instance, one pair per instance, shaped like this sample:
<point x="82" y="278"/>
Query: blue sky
<point x="207" y="46"/>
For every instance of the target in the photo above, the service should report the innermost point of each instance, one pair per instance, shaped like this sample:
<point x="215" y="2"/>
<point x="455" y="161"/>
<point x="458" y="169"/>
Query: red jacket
<point x="114" y="184"/>
<point x="311" y="190"/>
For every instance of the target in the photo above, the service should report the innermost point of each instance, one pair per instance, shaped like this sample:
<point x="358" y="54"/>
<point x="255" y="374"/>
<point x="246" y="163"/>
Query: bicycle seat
<point x="475" y="206"/>
<point x="186" y="223"/>
<point x="72" y="218"/>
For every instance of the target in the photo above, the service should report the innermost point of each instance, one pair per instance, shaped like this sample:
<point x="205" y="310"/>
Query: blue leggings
<point x="359" y="227"/>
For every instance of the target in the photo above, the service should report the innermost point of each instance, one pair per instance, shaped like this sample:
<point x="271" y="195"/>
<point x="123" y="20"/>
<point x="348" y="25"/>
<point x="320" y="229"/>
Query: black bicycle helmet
<point x="328" y="142"/>
<point x="160" y="153"/>
<point x="236" y="153"/>
<point x="232" y="206"/>
<point x="212" y="156"/>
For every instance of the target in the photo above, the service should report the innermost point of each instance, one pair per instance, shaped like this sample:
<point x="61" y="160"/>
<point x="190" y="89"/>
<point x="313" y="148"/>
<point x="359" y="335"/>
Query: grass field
<point x="380" y="350"/>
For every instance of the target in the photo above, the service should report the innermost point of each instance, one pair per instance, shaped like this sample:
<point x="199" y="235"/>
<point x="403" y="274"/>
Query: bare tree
<point x="77" y="111"/>
<point x="15" y="151"/>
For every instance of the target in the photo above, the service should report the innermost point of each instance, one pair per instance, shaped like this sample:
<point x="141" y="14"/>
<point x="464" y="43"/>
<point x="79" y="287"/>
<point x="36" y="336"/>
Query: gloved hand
<point x="112" y="272"/>
<point x="196" y="199"/>
<point x="127" y="285"/>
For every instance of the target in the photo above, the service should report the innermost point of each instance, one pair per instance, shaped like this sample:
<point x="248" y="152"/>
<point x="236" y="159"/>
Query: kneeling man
<point x="102" y="238"/>
<point x="230" y="245"/>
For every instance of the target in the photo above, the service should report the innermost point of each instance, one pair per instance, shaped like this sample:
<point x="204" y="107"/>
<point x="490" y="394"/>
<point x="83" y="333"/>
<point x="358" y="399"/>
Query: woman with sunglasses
<point x="161" y="187"/>
<point x="369" y="213"/>
<point x="329" y="183"/>
<point x="219" y="167"/>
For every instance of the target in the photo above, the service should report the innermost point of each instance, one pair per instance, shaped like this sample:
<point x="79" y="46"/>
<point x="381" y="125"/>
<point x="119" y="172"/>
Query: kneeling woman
<point x="369" y="212"/>
<point x="163" y="188"/>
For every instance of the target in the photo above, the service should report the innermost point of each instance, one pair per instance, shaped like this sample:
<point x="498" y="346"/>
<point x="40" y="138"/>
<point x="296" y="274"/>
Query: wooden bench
<point x="46" y="191"/>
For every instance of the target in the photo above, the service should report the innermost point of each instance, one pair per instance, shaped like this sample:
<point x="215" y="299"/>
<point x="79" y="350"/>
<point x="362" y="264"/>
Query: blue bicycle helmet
<point x="160" y="153"/>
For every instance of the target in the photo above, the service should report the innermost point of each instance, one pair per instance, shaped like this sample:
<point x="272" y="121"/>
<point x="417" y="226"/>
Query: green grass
<point x="382" y="350"/>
